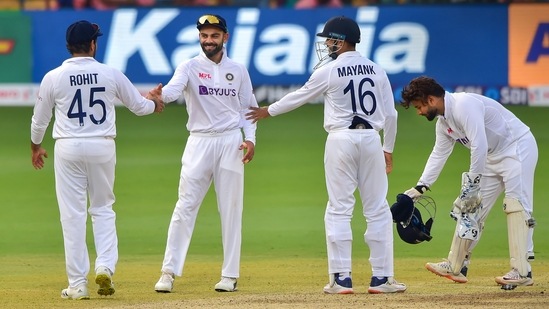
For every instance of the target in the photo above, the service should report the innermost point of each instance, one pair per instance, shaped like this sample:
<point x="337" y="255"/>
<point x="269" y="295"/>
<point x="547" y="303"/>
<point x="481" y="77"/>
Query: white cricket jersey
<point x="477" y="122"/>
<point x="351" y="85"/>
<point x="83" y="92"/>
<point x="217" y="95"/>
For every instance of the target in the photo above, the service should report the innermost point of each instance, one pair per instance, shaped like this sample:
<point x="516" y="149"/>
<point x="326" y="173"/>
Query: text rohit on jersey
<point x="83" y="79"/>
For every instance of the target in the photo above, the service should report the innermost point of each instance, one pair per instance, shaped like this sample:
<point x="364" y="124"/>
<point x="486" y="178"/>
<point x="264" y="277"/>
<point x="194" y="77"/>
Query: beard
<point x="431" y="114"/>
<point x="213" y="52"/>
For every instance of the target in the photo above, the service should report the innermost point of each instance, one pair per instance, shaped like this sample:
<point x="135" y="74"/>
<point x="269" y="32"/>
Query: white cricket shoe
<point x="514" y="278"/>
<point x="103" y="277"/>
<point x="226" y="285"/>
<point x="165" y="283"/>
<point x="336" y="286"/>
<point x="444" y="269"/>
<point x="79" y="292"/>
<point x="385" y="285"/>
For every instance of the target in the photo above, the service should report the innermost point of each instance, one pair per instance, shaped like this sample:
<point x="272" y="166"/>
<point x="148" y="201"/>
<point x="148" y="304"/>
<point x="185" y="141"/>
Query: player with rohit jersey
<point x="83" y="93"/>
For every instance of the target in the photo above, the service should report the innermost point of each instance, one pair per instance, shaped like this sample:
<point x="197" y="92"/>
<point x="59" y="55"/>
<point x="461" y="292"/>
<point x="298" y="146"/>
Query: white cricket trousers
<point x="206" y="158"/>
<point x="511" y="172"/>
<point x="85" y="167"/>
<point x="354" y="159"/>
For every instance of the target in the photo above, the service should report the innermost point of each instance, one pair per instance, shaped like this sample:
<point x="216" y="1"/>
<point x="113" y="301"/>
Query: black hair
<point x="419" y="89"/>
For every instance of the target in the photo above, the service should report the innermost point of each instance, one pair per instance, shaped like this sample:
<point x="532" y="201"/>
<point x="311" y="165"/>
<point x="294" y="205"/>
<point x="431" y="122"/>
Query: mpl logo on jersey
<point x="204" y="76"/>
<point x="528" y="45"/>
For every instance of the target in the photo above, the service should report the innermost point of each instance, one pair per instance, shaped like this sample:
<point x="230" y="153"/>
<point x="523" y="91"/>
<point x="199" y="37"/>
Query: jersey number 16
<point x="362" y="94"/>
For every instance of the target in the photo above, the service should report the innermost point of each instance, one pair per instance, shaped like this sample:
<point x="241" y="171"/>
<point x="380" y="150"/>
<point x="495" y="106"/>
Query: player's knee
<point x="339" y="236"/>
<point x="512" y="205"/>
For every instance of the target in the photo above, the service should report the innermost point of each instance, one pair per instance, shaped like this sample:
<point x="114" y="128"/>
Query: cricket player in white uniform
<point x="504" y="154"/>
<point x="83" y="93"/>
<point x="358" y="103"/>
<point x="217" y="92"/>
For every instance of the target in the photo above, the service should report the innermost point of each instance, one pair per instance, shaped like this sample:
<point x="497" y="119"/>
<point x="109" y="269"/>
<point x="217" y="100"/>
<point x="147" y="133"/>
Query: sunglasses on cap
<point x="212" y="20"/>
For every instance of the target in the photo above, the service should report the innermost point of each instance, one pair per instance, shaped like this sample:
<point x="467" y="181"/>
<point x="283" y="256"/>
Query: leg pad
<point x="517" y="229"/>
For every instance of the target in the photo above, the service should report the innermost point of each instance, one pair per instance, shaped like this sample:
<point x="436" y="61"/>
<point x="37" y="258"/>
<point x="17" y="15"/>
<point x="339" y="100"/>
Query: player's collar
<point x="448" y="102"/>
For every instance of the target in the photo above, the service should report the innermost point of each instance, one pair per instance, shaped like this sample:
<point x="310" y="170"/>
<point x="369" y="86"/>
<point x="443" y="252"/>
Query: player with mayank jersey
<point x="358" y="103"/>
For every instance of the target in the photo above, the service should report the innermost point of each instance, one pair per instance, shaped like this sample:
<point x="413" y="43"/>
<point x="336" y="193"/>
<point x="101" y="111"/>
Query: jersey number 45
<point x="76" y="110"/>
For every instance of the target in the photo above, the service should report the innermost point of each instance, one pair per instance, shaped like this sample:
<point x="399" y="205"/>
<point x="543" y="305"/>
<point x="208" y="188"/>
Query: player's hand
<point x="37" y="157"/>
<point x="249" y="151"/>
<point x="416" y="192"/>
<point x="257" y="113"/>
<point x="470" y="198"/>
<point x="388" y="162"/>
<point x="155" y="95"/>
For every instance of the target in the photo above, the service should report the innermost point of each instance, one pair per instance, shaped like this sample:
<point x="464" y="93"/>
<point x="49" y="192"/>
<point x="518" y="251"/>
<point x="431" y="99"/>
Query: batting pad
<point x="517" y="230"/>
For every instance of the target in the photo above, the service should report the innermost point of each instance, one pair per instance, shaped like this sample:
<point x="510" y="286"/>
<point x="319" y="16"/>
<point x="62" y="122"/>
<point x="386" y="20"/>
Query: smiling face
<point x="211" y="41"/>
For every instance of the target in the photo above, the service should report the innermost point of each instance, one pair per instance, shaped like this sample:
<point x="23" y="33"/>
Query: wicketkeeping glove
<point x="416" y="192"/>
<point x="469" y="197"/>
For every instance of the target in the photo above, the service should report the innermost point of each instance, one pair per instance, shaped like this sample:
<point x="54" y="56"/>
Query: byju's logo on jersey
<point x="203" y="90"/>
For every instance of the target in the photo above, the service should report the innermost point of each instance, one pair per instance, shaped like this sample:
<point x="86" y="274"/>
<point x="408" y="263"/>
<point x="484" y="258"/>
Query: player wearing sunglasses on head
<point x="217" y="93"/>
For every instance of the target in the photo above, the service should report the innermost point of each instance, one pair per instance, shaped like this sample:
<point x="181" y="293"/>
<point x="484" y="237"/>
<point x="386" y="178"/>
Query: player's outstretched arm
<point x="38" y="155"/>
<point x="257" y="113"/>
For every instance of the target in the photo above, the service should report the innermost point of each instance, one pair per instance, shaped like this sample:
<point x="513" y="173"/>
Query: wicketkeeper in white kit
<point x="358" y="103"/>
<point x="503" y="156"/>
<point x="83" y="93"/>
<point x="217" y="91"/>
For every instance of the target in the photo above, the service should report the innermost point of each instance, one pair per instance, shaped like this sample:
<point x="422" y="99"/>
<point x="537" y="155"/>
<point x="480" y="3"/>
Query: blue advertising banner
<point x="458" y="45"/>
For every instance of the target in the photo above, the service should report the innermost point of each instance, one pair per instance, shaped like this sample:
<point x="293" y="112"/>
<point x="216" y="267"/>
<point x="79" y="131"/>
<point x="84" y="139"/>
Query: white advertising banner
<point x="538" y="95"/>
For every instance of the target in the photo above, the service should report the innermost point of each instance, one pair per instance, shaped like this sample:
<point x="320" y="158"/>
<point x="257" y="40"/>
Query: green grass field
<point x="285" y="198"/>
